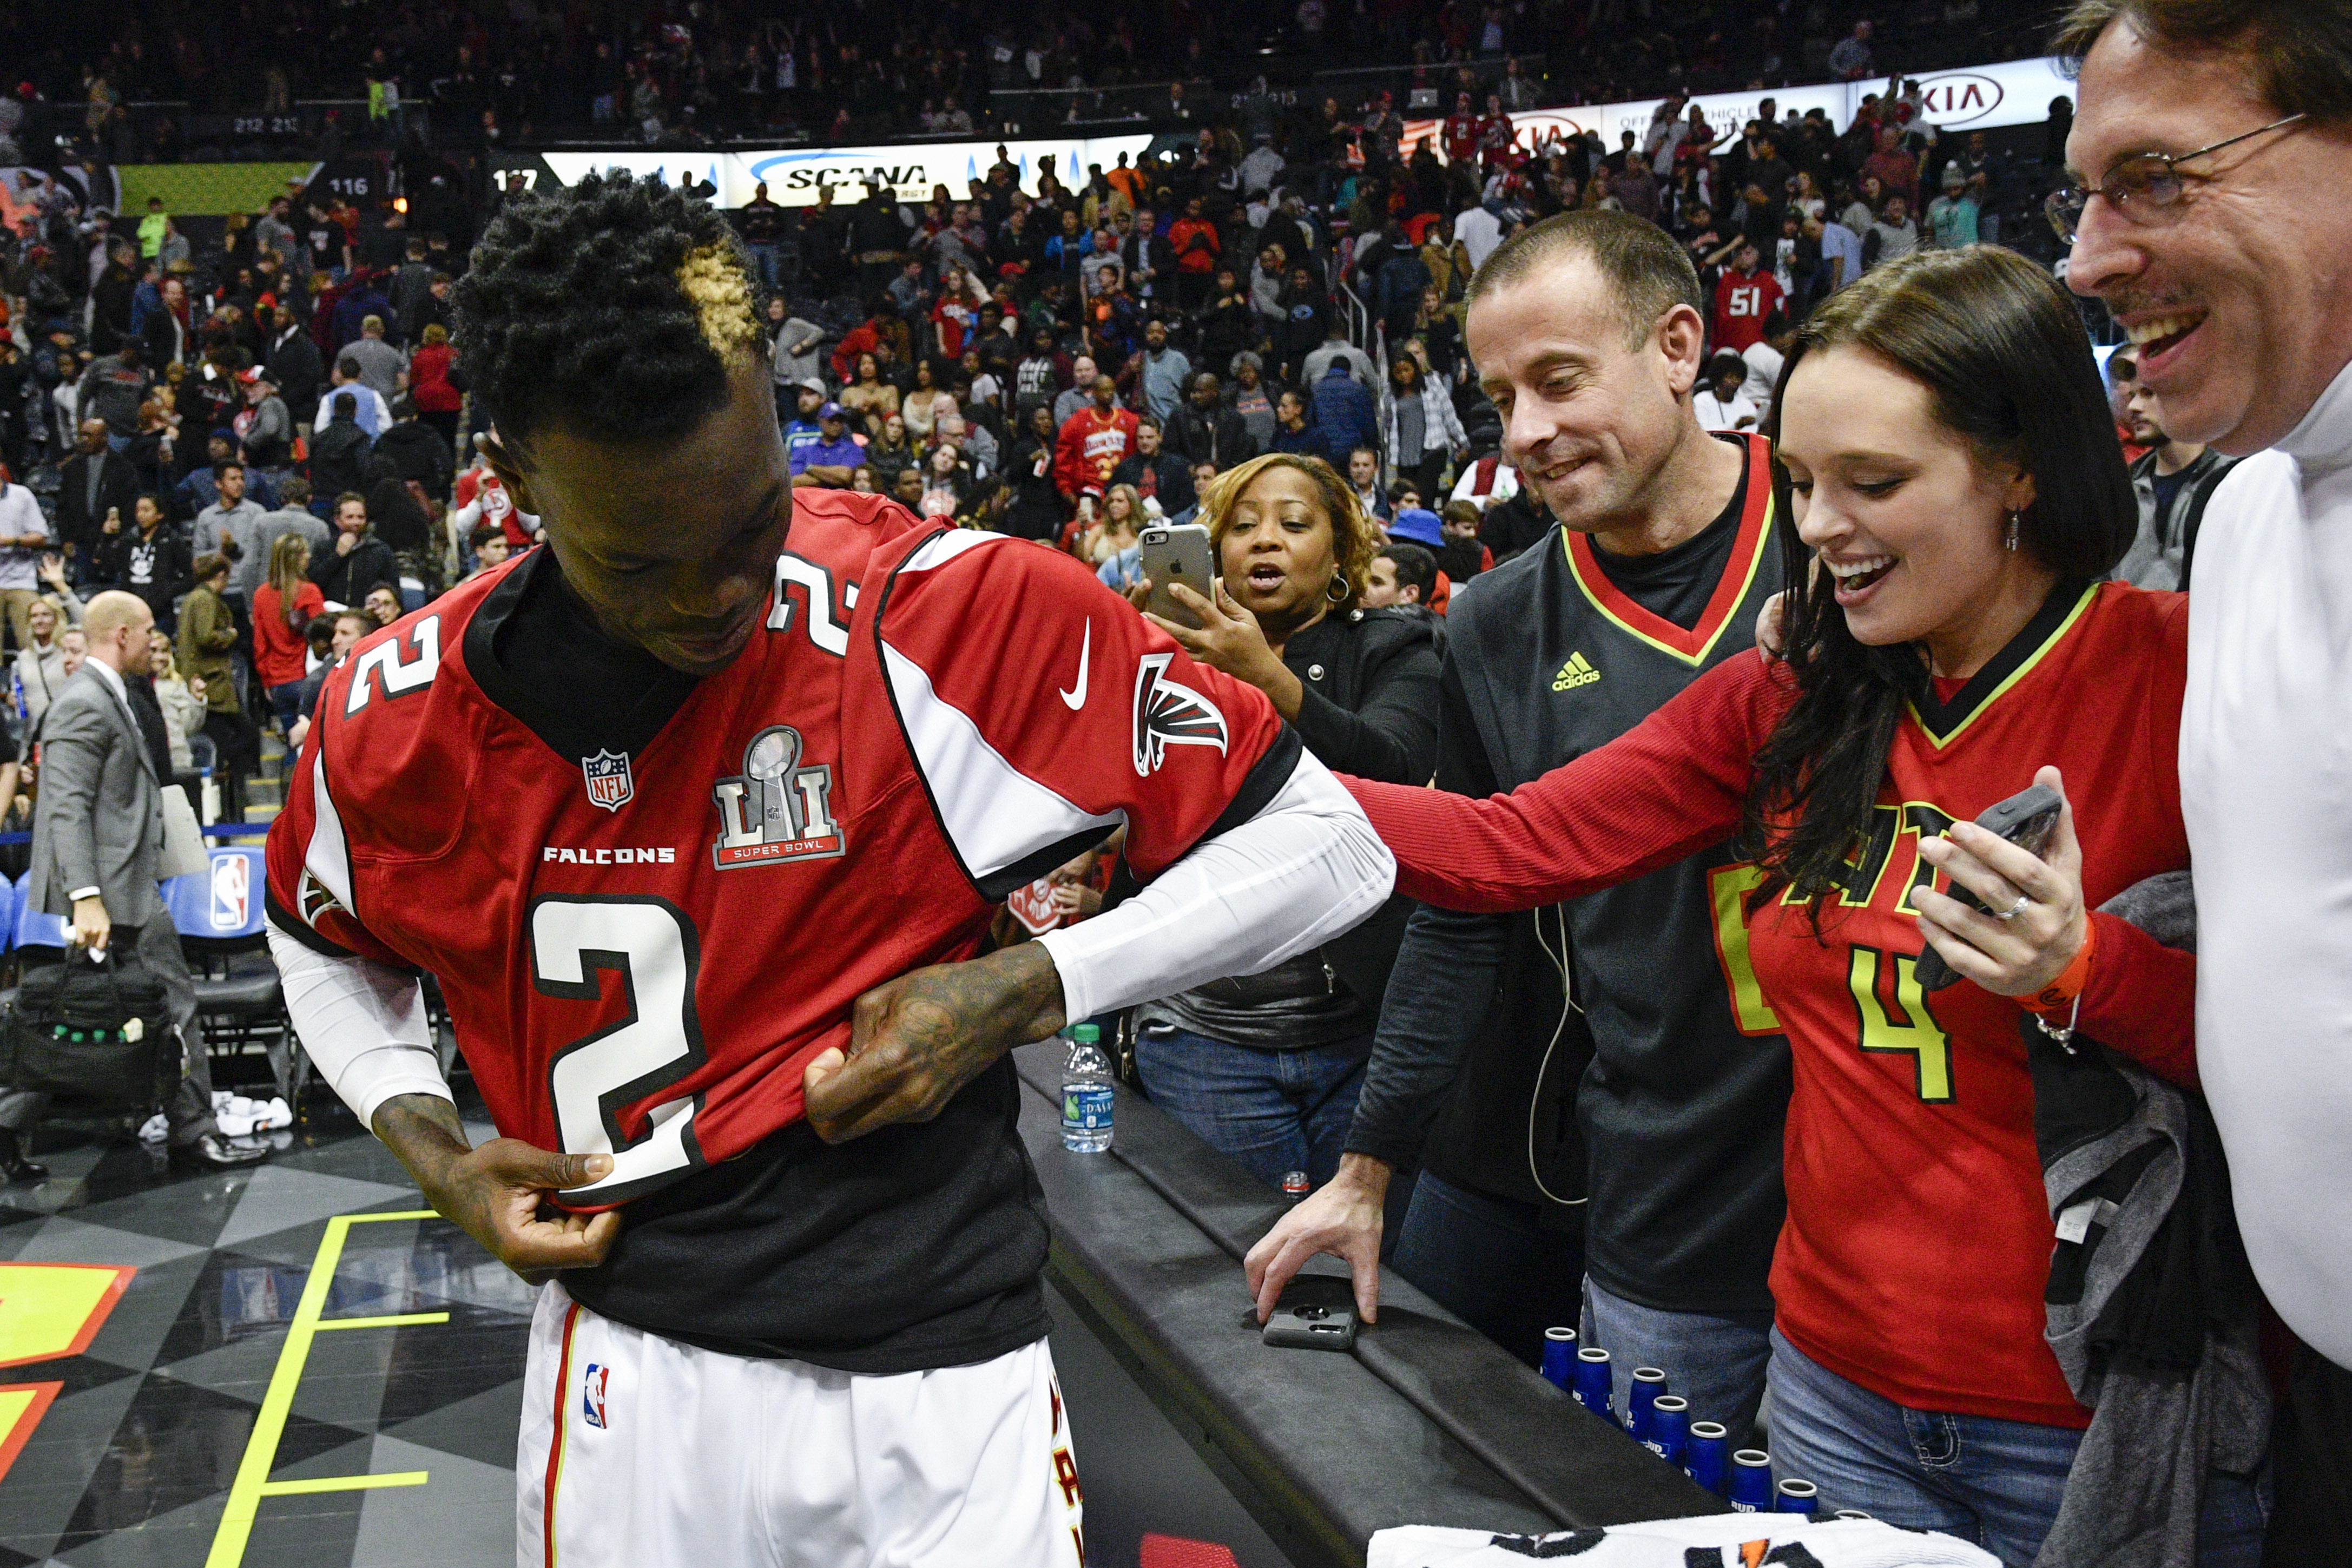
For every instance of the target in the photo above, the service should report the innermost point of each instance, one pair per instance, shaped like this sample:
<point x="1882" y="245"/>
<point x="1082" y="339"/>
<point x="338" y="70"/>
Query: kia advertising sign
<point x="1990" y="97"/>
<point x="1983" y="98"/>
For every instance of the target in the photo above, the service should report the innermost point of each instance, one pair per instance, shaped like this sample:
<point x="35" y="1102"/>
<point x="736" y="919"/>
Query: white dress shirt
<point x="2266" y="790"/>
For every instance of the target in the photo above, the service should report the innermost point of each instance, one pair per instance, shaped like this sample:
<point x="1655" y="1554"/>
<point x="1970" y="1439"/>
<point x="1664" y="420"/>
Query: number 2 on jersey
<point x="651" y="944"/>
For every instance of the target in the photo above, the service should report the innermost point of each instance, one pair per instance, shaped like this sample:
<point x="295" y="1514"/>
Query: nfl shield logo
<point x="609" y="784"/>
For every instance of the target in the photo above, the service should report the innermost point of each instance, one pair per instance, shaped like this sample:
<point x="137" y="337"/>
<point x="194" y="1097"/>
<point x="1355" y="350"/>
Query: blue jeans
<point x="1487" y="1261"/>
<point x="286" y="704"/>
<point x="1715" y="1360"/>
<point x="1996" y="1483"/>
<point x="1275" y="1111"/>
<point x="770" y="258"/>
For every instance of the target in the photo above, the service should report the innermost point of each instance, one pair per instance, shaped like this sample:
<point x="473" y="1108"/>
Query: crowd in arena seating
<point x="679" y="75"/>
<point x="1067" y="361"/>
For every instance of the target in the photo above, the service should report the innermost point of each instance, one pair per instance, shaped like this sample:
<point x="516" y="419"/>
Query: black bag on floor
<point x="98" y="1031"/>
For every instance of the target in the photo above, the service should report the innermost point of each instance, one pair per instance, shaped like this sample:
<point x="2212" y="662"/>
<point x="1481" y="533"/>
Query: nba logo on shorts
<point x="609" y="784"/>
<point x="592" y="1394"/>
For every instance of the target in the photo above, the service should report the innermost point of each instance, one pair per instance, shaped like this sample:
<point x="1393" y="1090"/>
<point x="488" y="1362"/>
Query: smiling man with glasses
<point x="2211" y="207"/>
<point x="2208" y="163"/>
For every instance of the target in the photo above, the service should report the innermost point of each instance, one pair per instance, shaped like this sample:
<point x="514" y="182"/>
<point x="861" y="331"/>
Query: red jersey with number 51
<point x="641" y="952"/>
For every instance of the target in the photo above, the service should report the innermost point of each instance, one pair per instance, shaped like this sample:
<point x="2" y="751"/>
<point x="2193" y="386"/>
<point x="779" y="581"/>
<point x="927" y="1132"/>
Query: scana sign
<point x="798" y="176"/>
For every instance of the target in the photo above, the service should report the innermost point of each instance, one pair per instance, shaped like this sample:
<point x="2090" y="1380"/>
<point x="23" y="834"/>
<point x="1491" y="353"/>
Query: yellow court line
<point x="253" y="1482"/>
<point x="344" y="1483"/>
<point x="399" y="1320"/>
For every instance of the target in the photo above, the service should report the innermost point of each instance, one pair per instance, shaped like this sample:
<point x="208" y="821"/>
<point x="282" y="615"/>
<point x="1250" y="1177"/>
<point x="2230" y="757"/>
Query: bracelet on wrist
<point x="2065" y="992"/>
<point x="2062" y="992"/>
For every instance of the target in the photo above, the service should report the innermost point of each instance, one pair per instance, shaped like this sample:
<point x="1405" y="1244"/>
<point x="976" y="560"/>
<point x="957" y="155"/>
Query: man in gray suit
<point x="97" y="839"/>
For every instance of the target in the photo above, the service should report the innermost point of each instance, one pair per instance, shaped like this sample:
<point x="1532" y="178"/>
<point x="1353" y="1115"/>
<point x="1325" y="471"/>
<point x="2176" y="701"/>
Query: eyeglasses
<point x="2143" y="187"/>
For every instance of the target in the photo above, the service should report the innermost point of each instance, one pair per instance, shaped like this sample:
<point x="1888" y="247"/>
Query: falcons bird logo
<point x="1167" y="713"/>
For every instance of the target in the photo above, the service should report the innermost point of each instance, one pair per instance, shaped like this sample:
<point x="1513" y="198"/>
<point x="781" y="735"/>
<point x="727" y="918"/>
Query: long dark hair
<point x="2008" y="367"/>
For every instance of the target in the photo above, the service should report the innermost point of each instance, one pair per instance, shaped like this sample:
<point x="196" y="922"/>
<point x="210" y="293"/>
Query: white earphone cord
<point x="1567" y="1002"/>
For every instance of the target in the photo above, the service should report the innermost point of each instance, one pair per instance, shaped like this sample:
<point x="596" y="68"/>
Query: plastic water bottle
<point x="1086" y="1093"/>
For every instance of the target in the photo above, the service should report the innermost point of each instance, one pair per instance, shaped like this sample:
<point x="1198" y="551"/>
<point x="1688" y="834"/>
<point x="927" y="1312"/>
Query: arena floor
<point x="181" y="1388"/>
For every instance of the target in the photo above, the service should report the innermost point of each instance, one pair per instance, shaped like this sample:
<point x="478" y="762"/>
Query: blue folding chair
<point x="31" y="928"/>
<point x="219" y="914"/>
<point x="30" y="934"/>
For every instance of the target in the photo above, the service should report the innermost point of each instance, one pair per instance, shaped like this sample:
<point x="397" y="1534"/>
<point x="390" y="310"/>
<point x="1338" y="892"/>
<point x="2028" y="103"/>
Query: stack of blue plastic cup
<point x="1593" y="1390"/>
<point x="1706" y="1455"/>
<point x="1559" y="1357"/>
<point x="1752" y="1481"/>
<point x="1796" y="1496"/>
<point x="1669" y="1427"/>
<point x="1649" y="1382"/>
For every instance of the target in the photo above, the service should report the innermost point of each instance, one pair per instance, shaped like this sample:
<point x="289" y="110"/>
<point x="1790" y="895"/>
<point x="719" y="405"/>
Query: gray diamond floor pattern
<point x="130" y="1464"/>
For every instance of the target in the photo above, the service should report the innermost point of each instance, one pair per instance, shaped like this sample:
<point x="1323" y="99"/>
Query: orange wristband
<point x="2062" y="990"/>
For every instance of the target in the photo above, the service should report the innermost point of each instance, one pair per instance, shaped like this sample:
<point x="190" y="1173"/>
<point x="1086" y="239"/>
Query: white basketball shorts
<point x="640" y="1452"/>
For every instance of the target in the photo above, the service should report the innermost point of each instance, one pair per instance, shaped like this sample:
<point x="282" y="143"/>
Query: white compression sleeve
<point x="363" y="1023"/>
<point x="1300" y="872"/>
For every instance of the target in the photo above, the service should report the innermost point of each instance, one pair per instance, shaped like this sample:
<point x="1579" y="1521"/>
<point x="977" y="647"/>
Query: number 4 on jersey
<point x="1901" y="1023"/>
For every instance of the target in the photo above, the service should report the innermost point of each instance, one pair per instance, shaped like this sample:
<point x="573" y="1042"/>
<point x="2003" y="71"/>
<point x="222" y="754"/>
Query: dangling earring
<point x="1338" y="592"/>
<point x="2012" y="539"/>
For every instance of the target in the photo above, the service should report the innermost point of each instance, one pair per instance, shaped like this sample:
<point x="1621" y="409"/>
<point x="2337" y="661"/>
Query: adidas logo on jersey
<point x="1578" y="671"/>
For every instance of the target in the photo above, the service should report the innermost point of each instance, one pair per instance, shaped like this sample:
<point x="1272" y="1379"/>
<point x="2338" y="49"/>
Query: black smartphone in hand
<point x="2026" y="819"/>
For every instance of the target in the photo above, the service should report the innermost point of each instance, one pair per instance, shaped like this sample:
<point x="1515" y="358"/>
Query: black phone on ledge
<point x="1315" y="1312"/>
<point x="2026" y="819"/>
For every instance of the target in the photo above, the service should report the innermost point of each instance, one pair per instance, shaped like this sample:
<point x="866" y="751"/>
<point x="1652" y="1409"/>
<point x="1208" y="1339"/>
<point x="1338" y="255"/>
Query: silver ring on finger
<point x="2013" y="910"/>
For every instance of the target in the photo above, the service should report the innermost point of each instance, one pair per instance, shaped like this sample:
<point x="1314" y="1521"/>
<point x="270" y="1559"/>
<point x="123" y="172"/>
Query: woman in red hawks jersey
<point x="1957" y="493"/>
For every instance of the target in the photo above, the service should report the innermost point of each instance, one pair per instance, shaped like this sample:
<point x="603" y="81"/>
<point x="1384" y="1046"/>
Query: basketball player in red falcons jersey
<point x="698" y="814"/>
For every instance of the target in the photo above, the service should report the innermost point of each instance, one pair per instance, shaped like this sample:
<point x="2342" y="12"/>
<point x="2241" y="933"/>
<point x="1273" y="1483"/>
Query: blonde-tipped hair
<point x="713" y="280"/>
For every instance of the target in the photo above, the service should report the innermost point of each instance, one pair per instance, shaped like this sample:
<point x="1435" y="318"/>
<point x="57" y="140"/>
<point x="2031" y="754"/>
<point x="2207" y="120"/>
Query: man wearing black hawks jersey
<point x="1617" y="1094"/>
<point x="699" y="814"/>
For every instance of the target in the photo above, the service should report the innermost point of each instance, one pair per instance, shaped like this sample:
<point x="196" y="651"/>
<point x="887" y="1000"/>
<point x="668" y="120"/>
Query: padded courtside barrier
<point x="1428" y="1422"/>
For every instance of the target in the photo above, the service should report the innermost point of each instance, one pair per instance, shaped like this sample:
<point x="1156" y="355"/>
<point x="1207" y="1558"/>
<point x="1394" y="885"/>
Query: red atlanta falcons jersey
<point x="642" y="950"/>
<point x="1916" y="1249"/>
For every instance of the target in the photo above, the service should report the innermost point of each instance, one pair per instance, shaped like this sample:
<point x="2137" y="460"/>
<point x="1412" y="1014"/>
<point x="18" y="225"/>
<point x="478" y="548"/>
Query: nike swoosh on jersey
<point x="1076" y="700"/>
